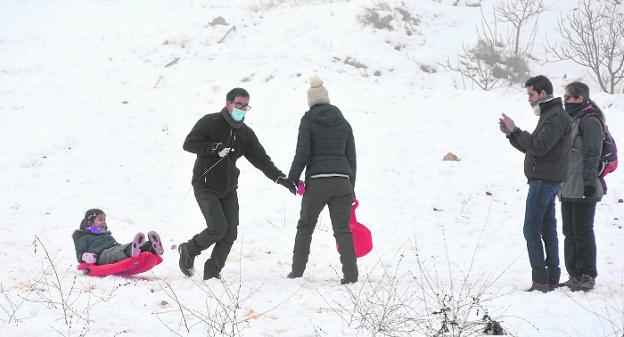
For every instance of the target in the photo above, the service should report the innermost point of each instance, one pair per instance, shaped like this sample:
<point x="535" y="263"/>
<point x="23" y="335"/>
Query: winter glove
<point x="300" y="187"/>
<point x="589" y="191"/>
<point x="221" y="149"/>
<point x="89" y="258"/>
<point x="225" y="151"/>
<point x="289" y="184"/>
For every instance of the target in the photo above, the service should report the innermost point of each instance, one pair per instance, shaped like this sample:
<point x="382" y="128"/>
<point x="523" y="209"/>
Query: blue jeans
<point x="540" y="224"/>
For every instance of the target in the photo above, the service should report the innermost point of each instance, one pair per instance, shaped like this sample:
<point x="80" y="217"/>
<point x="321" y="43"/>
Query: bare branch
<point x="519" y="13"/>
<point x="594" y="38"/>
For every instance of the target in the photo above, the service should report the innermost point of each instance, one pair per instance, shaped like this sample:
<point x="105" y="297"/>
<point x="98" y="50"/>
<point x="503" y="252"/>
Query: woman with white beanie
<point x="326" y="149"/>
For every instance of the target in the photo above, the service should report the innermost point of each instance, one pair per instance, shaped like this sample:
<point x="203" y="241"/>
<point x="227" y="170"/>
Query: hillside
<point x="97" y="97"/>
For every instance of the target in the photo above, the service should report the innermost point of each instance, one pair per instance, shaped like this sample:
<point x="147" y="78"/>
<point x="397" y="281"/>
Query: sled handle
<point x="354" y="205"/>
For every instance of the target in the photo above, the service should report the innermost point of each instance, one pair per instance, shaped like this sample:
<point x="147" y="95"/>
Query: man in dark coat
<point x="326" y="149"/>
<point x="218" y="140"/>
<point x="546" y="167"/>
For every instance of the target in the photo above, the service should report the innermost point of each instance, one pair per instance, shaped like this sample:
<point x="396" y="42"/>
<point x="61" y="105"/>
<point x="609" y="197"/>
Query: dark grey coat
<point x="85" y="241"/>
<point x="325" y="144"/>
<point x="547" y="148"/>
<point x="584" y="158"/>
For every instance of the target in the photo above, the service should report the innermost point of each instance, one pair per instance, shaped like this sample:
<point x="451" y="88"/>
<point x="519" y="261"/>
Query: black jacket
<point x="222" y="179"/>
<point x="548" y="147"/>
<point x="85" y="241"/>
<point x="325" y="144"/>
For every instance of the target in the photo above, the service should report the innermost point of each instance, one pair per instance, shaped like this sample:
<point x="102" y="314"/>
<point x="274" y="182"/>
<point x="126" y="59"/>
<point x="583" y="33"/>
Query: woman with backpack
<point x="583" y="188"/>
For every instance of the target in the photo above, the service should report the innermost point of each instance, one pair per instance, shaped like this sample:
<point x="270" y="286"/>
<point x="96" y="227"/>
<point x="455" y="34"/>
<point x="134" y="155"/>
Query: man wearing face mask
<point x="218" y="140"/>
<point x="546" y="167"/>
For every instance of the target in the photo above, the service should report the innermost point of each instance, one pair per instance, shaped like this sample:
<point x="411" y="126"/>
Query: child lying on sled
<point x="95" y="244"/>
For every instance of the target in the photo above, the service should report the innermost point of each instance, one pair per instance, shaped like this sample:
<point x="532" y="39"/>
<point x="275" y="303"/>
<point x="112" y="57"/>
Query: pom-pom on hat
<point x="317" y="94"/>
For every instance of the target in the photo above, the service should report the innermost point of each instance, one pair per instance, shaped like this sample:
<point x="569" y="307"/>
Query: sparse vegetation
<point x="493" y="58"/>
<point x="392" y="18"/>
<point x="594" y="38"/>
<point x="390" y="304"/>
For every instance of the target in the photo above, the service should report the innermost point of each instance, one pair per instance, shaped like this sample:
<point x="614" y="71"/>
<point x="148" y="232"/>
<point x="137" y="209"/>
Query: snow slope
<point x="91" y="116"/>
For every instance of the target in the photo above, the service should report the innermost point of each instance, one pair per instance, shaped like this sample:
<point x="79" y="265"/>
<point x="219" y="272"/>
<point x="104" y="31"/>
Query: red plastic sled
<point x="362" y="237"/>
<point x="130" y="266"/>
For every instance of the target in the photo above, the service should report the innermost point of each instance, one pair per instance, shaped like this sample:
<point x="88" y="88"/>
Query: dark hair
<point x="597" y="110"/>
<point x="236" y="92"/>
<point x="577" y="89"/>
<point x="91" y="214"/>
<point x="539" y="83"/>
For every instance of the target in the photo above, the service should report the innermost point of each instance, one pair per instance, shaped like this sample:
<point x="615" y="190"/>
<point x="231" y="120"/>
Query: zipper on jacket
<point x="230" y="141"/>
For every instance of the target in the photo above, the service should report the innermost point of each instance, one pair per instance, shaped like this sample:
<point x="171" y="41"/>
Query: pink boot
<point x="138" y="241"/>
<point x="154" y="238"/>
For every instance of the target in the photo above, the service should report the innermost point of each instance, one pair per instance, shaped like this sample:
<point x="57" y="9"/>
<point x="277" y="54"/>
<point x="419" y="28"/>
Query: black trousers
<point x="337" y="194"/>
<point x="580" y="243"/>
<point x="221" y="216"/>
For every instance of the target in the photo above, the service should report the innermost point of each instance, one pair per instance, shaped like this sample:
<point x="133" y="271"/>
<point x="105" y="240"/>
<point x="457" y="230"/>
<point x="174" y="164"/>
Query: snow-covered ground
<point x="91" y="116"/>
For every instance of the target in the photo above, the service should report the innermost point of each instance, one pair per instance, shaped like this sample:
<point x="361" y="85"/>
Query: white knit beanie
<point x="317" y="94"/>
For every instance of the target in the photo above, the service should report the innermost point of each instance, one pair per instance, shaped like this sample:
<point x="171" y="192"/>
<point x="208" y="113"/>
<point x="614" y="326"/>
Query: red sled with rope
<point x="362" y="237"/>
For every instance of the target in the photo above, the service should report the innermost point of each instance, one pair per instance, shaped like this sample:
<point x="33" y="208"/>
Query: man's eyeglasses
<point x="567" y="97"/>
<point x="242" y="106"/>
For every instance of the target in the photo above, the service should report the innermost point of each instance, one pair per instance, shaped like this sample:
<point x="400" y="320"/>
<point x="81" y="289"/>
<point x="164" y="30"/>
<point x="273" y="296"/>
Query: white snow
<point x="91" y="117"/>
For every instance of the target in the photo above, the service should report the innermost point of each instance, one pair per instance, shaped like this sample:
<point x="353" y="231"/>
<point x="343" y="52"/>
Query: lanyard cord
<point x="230" y="141"/>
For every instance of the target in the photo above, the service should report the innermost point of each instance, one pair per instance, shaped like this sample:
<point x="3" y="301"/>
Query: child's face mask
<point x="95" y="230"/>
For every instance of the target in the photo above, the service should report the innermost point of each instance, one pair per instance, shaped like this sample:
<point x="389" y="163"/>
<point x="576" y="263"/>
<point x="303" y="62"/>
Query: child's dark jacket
<point x="85" y="241"/>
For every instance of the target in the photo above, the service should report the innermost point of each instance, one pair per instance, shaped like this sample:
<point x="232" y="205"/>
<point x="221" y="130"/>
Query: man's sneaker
<point x="139" y="240"/>
<point x="187" y="259"/>
<point x="154" y="238"/>
<point x="572" y="282"/>
<point x="587" y="283"/>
